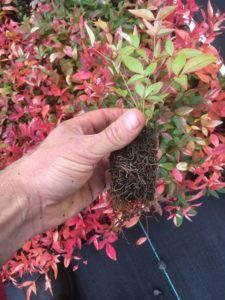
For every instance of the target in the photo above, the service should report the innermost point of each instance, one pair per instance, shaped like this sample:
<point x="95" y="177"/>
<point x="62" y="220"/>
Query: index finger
<point x="97" y="120"/>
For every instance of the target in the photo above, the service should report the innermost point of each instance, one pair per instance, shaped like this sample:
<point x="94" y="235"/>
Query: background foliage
<point x="67" y="57"/>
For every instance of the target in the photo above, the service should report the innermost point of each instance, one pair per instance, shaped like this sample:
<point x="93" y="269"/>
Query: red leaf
<point x="81" y="75"/>
<point x="112" y="238"/>
<point x="111" y="252"/>
<point x="55" y="90"/>
<point x="45" y="110"/>
<point x="26" y="247"/>
<point x="141" y="241"/>
<point x="46" y="8"/>
<point x="101" y="245"/>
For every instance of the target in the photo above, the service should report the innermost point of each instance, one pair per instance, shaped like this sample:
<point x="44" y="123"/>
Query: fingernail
<point x="131" y="120"/>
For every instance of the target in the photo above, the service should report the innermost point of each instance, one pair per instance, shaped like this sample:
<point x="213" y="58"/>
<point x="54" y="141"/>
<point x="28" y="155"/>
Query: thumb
<point x="120" y="133"/>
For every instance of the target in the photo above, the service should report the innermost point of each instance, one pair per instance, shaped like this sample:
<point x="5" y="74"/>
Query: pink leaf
<point x="197" y="196"/>
<point x="55" y="236"/>
<point x="68" y="51"/>
<point x="26" y="283"/>
<point x="141" y="241"/>
<point x="111" y="252"/>
<point x="214" y="123"/>
<point x="219" y="149"/>
<point x="75" y="267"/>
<point x="214" y="140"/>
<point x="160" y="188"/>
<point x="9" y="8"/>
<point x="100" y="205"/>
<point x="177" y="175"/>
<point x="67" y="261"/>
<point x="133" y="221"/>
<point x="210" y="10"/>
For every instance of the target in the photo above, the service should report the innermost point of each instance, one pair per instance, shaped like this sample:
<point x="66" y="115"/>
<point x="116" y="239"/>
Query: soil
<point x="133" y="171"/>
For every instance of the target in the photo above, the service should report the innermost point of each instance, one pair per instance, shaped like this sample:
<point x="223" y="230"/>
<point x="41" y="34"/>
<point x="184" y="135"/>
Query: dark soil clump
<point x="133" y="171"/>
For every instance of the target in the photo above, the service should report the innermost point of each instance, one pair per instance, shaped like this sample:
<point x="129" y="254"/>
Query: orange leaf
<point x="141" y="241"/>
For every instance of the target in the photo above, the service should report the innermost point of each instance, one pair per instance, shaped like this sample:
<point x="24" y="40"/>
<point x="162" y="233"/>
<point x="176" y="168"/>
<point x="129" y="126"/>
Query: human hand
<point x="67" y="171"/>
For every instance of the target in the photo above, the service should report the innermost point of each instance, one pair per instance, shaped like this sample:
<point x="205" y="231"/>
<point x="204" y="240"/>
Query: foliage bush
<point x="69" y="57"/>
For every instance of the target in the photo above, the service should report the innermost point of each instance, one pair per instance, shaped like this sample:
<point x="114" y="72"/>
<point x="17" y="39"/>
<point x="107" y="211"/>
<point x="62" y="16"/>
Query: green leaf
<point x="182" y="80"/>
<point x="178" y="220"/>
<point x="150" y="69"/>
<point x="221" y="191"/>
<point x="135" y="40"/>
<point x="153" y="89"/>
<point x="171" y="188"/>
<point x="192" y="212"/>
<point x="189" y="52"/>
<point x="126" y="51"/>
<point x="157" y="49"/>
<point x="177" y="122"/>
<point x="140" y="89"/>
<point x="168" y="166"/>
<point x="164" y="12"/>
<point x="120" y="92"/>
<point x="181" y="199"/>
<point x="149" y="111"/>
<point x="142" y="13"/>
<point x="169" y="47"/>
<point x="70" y="109"/>
<point x="214" y="194"/>
<point x="133" y="64"/>
<point x="143" y="54"/>
<point x="199" y="62"/>
<point x="178" y="63"/>
<point x="135" y="78"/>
<point x="2" y="145"/>
<point x="164" y="31"/>
<point x="156" y="99"/>
<point x="163" y="96"/>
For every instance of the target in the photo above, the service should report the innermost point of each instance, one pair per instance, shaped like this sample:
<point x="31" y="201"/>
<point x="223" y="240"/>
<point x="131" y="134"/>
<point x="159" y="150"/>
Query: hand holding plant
<point x="67" y="171"/>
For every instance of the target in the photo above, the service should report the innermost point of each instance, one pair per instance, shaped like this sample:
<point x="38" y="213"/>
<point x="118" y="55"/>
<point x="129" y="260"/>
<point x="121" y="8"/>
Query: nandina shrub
<point x="152" y="55"/>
